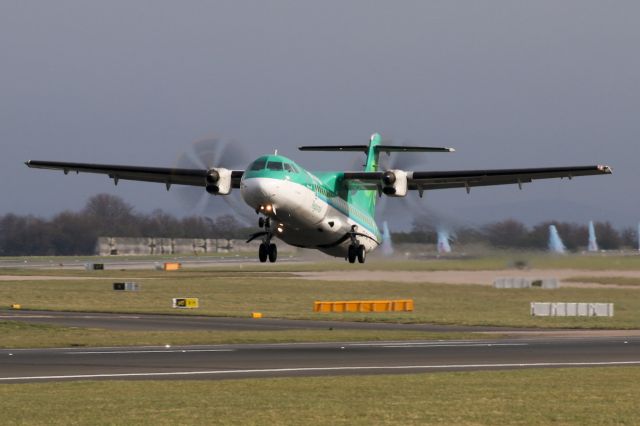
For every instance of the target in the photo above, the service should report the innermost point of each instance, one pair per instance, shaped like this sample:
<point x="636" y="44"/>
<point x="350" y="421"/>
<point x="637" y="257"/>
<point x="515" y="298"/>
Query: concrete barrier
<point x="106" y="246"/>
<point x="526" y="282"/>
<point x="571" y="309"/>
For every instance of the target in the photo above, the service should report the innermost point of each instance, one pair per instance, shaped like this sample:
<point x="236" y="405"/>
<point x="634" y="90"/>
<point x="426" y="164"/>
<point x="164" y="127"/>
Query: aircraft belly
<point x="326" y="238"/>
<point x="307" y="220"/>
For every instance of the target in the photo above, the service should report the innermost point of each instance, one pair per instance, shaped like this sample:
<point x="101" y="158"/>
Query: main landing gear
<point x="267" y="249"/>
<point x="356" y="250"/>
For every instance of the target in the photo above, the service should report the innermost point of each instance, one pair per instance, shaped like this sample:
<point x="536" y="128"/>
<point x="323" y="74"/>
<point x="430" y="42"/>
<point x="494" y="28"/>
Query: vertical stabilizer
<point x="366" y="199"/>
<point x="373" y="154"/>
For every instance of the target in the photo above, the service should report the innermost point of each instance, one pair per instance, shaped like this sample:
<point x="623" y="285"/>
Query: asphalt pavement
<point x="312" y="359"/>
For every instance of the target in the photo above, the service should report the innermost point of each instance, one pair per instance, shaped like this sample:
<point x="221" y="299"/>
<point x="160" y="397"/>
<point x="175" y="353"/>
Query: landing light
<point x="268" y="207"/>
<point x="280" y="229"/>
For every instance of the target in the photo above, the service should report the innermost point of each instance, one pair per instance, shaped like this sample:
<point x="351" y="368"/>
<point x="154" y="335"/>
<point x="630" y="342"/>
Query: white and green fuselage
<point x="312" y="210"/>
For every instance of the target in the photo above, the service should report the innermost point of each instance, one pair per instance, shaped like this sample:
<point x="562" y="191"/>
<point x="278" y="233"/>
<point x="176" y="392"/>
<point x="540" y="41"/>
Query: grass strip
<point x="16" y="334"/>
<point x="585" y="396"/>
<point x="293" y="299"/>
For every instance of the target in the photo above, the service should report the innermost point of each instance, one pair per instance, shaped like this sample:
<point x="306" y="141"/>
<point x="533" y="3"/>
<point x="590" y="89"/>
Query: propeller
<point x="391" y="209"/>
<point x="411" y="207"/>
<point x="205" y="154"/>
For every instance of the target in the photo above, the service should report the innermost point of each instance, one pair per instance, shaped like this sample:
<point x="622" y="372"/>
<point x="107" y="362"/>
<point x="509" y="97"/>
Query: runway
<point x="312" y="359"/>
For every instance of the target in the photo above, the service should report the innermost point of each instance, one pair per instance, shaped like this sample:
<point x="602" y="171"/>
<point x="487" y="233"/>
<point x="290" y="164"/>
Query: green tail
<point x="366" y="200"/>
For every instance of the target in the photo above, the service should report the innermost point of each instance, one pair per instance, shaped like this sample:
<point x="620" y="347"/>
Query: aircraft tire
<point x="263" y="252"/>
<point x="273" y="253"/>
<point x="352" y="254"/>
<point x="362" y="254"/>
<point x="261" y="222"/>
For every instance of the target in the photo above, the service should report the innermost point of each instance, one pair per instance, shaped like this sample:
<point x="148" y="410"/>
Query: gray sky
<point x="508" y="84"/>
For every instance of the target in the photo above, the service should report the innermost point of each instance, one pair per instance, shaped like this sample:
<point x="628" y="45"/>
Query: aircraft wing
<point x="168" y="176"/>
<point x="429" y="180"/>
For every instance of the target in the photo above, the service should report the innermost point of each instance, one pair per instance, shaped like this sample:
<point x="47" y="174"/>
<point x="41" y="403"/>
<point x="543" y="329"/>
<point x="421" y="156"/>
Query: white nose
<point x="260" y="191"/>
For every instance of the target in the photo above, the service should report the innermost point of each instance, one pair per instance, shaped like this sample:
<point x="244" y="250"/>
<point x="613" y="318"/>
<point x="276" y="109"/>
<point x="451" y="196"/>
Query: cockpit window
<point x="290" y="168"/>
<point x="258" y="165"/>
<point x="274" y="165"/>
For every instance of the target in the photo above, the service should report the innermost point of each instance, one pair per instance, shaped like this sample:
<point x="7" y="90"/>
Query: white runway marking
<point x="436" y="344"/>
<point x="322" y="369"/>
<point x="455" y="345"/>
<point x="157" y="351"/>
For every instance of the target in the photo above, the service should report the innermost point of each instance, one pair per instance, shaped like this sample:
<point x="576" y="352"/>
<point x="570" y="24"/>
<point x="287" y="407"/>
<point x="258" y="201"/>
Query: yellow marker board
<point x="185" y="302"/>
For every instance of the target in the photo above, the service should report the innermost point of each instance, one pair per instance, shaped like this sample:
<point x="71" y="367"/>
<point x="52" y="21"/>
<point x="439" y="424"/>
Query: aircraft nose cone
<point x="257" y="191"/>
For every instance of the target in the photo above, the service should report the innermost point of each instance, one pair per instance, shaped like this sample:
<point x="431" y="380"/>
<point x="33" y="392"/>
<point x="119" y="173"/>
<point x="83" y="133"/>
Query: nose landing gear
<point x="267" y="249"/>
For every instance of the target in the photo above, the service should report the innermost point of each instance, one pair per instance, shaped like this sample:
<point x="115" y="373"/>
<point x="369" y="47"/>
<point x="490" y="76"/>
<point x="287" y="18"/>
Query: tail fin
<point x="373" y="153"/>
<point x="366" y="199"/>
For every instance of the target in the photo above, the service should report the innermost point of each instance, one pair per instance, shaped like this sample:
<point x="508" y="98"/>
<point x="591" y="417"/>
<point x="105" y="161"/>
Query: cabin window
<point x="274" y="165"/>
<point x="258" y="165"/>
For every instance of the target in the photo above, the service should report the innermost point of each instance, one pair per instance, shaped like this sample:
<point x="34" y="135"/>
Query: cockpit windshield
<point x="258" y="165"/>
<point x="274" y="165"/>
<point x="290" y="168"/>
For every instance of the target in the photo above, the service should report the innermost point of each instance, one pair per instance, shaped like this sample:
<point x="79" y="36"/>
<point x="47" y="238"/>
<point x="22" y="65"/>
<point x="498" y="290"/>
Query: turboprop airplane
<point x="329" y="211"/>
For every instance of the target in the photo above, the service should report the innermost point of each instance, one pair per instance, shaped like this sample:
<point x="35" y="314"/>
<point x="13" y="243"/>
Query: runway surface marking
<point x="455" y="345"/>
<point x="157" y="351"/>
<point x="326" y="369"/>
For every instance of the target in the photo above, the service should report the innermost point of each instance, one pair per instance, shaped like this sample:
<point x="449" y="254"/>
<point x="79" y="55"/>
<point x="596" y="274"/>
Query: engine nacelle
<point x="218" y="181"/>
<point x="394" y="183"/>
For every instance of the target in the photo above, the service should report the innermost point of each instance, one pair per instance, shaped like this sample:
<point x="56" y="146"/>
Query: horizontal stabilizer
<point x="378" y="148"/>
<point x="357" y="148"/>
<point x="395" y="148"/>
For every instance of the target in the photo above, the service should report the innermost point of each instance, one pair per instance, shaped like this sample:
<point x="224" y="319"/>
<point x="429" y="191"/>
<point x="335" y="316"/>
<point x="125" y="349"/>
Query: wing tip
<point x="605" y="169"/>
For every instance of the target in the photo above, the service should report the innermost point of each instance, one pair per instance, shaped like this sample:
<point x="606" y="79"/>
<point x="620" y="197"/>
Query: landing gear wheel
<point x="263" y="252"/>
<point x="273" y="253"/>
<point x="261" y="222"/>
<point x="352" y="254"/>
<point x="362" y="254"/>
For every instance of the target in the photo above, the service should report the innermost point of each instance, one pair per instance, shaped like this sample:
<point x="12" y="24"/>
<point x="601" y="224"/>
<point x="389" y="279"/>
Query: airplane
<point x="332" y="212"/>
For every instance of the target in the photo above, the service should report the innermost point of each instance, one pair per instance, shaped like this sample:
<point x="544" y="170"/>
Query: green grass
<point x="594" y="396"/>
<point x="276" y="292"/>
<point x="230" y="295"/>
<point x="23" y="335"/>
